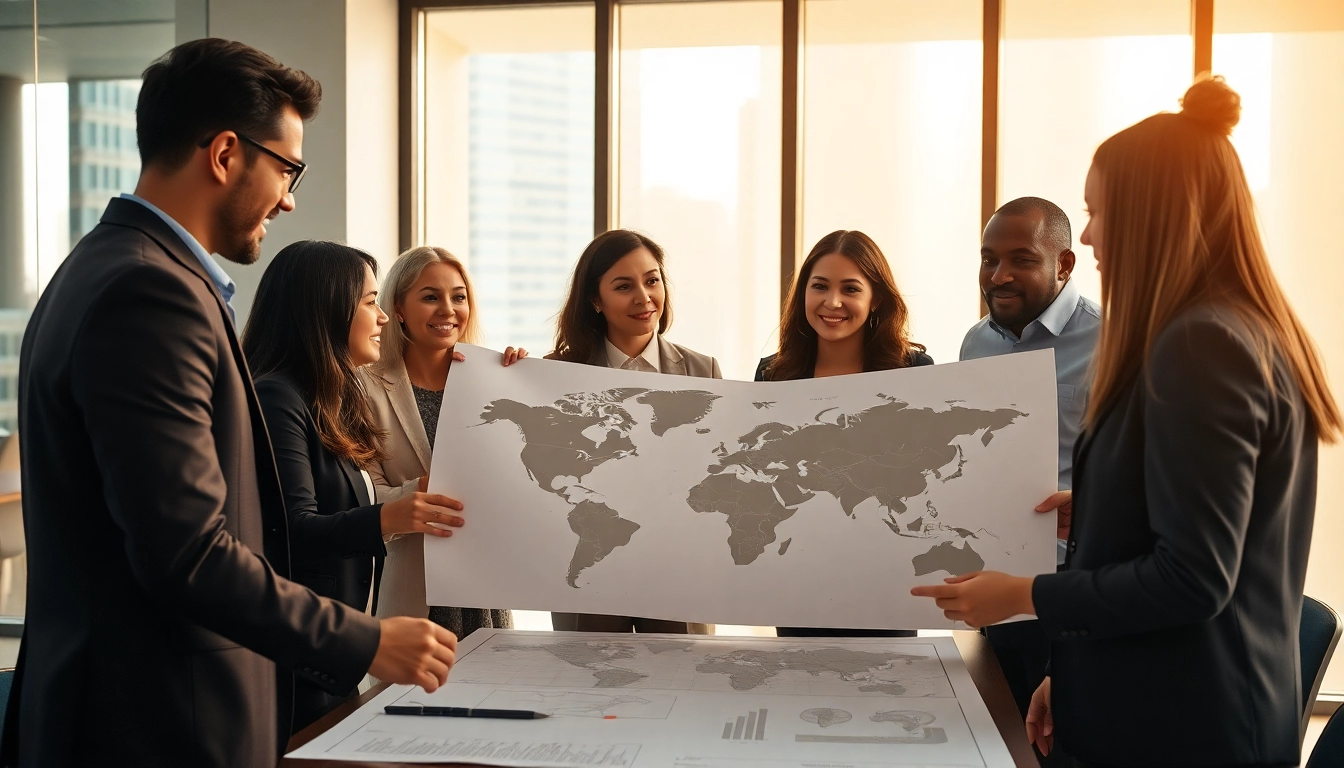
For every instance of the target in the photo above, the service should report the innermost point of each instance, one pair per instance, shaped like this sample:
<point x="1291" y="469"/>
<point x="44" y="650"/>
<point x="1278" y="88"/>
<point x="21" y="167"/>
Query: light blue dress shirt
<point x="223" y="283"/>
<point x="1069" y="326"/>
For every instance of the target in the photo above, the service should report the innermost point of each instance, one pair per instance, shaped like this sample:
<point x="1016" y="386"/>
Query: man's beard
<point x="237" y="220"/>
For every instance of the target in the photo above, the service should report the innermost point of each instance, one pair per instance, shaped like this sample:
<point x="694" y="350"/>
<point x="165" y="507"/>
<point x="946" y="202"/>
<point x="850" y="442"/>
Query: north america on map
<point x="890" y="452"/>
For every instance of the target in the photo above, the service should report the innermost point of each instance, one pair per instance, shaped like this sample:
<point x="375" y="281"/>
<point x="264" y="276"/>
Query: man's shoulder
<point x="974" y="343"/>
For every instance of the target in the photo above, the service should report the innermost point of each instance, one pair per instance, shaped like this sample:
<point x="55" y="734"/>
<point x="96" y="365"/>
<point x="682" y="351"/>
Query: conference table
<point x="980" y="662"/>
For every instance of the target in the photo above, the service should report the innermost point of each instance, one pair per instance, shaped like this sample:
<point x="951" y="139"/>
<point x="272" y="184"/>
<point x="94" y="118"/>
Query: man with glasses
<point x="159" y="609"/>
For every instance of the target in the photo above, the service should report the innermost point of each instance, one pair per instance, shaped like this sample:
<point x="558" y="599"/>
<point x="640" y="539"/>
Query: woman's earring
<point x="598" y="310"/>
<point x="872" y="320"/>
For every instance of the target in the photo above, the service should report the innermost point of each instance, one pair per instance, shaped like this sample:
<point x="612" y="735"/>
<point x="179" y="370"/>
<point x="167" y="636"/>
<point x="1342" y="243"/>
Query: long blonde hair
<point x="1180" y="230"/>
<point x="400" y="280"/>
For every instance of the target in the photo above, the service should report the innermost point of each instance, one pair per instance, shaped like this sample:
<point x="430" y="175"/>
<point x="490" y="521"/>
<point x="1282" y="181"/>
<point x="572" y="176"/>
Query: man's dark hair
<point x="203" y="87"/>
<point x="1058" y="234"/>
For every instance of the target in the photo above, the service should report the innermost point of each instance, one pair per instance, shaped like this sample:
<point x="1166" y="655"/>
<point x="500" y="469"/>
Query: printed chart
<point x="642" y="701"/>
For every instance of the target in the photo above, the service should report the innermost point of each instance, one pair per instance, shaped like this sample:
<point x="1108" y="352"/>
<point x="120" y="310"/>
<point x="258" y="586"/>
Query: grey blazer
<point x="1174" y="625"/>
<point x="674" y="359"/>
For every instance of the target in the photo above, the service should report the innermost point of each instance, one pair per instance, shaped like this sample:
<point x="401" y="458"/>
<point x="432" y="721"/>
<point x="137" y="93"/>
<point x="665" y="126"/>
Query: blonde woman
<point x="429" y="299"/>
<point x="1174" y="623"/>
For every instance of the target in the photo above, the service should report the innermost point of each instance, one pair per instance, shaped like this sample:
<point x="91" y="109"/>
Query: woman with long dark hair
<point x="315" y="321"/>
<point x="616" y="315"/>
<point x="844" y="315"/>
<point x="1174" y="624"/>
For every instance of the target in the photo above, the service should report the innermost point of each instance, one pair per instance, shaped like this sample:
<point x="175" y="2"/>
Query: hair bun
<point x="1212" y="104"/>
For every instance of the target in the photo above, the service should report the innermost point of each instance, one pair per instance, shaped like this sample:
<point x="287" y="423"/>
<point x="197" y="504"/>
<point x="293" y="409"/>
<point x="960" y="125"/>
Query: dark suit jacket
<point x="335" y="531"/>
<point x="917" y="358"/>
<point x="150" y="495"/>
<point x="1174" y="626"/>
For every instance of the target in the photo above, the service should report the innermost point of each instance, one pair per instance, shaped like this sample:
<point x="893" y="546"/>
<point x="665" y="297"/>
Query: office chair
<point x="1319" y="633"/>
<point x="1329" y="749"/>
<point x="6" y="682"/>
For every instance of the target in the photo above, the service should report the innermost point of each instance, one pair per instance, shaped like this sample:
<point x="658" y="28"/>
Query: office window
<point x="1073" y="74"/>
<point x="1278" y="56"/>
<point x="698" y="165"/>
<point x="891" y="146"/>
<point x="508" y="157"/>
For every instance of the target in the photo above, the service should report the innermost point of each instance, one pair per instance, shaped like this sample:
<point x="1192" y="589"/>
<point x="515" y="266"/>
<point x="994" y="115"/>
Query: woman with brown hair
<point x="844" y="315"/>
<point x="315" y="322"/>
<point x="616" y="314"/>
<point x="428" y="295"/>
<point x="1174" y="625"/>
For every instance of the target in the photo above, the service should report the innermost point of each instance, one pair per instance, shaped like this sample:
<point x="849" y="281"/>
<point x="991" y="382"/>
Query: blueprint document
<point x="686" y="701"/>
<point x="800" y="503"/>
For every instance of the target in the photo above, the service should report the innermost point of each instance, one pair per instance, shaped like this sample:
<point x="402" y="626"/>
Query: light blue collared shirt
<point x="1069" y="326"/>
<point x="223" y="283"/>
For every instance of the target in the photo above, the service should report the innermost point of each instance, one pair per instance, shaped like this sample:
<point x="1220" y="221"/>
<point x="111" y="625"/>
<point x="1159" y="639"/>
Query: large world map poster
<point x="806" y="503"/>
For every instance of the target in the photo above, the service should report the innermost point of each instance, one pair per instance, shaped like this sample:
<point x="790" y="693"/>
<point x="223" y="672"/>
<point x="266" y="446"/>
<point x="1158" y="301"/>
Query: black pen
<point x="507" y="714"/>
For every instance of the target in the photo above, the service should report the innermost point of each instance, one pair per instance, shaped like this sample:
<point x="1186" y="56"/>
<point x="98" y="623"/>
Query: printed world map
<point x="890" y="453"/>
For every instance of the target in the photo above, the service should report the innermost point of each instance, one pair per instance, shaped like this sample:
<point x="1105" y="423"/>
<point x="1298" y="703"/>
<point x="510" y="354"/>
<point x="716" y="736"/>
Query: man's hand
<point x="414" y="652"/>
<point x="1040" y="723"/>
<point x="981" y="598"/>
<point x="1062" y="504"/>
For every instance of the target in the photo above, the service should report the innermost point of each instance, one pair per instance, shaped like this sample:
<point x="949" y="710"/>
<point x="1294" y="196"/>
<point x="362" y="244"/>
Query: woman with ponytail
<point x="1174" y="624"/>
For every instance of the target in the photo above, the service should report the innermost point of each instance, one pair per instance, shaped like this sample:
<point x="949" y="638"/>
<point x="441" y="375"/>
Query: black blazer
<point x="150" y="495"/>
<point x="335" y="531"/>
<point x="917" y="358"/>
<point x="1174" y="627"/>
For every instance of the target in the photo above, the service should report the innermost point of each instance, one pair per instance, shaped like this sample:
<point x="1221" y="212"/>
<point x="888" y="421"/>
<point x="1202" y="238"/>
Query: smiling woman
<point x="844" y="315"/>
<point x="430" y="298"/>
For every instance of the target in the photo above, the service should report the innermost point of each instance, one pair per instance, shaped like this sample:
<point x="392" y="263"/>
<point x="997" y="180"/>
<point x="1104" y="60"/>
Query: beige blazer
<point x="674" y="359"/>
<point x="402" y="589"/>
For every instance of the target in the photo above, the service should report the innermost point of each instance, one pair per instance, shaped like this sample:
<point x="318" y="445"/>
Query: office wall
<point x="350" y="192"/>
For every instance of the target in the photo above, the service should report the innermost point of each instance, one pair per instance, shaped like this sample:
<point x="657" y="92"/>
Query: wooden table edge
<point x="979" y="657"/>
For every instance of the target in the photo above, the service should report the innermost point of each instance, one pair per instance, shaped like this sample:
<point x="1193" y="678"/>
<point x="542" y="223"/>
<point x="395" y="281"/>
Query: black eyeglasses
<point x="298" y="169"/>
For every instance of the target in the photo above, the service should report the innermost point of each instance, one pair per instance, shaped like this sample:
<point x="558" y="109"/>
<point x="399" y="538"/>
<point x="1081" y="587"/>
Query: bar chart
<point x="748" y="727"/>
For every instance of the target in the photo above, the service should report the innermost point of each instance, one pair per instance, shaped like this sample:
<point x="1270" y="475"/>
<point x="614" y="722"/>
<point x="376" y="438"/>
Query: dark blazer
<point x="1174" y="626"/>
<point x="155" y="623"/>
<point x="917" y="358"/>
<point x="335" y="532"/>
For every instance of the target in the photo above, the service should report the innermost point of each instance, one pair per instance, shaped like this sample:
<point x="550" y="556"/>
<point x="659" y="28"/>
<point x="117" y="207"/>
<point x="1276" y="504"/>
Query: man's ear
<point x="224" y="154"/>
<point x="1064" y="266"/>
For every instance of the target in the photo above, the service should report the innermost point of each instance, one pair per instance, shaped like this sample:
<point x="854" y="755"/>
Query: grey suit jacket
<point x="155" y="623"/>
<point x="1174" y="625"/>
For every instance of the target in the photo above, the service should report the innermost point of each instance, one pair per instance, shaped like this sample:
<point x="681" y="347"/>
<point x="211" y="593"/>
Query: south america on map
<point x="667" y="494"/>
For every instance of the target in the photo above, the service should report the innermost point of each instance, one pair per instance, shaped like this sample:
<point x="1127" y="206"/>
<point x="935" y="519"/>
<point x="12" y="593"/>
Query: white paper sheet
<point x="687" y="701"/>
<point x="802" y="503"/>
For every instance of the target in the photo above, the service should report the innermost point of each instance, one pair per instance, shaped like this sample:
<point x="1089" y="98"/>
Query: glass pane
<point x="78" y="149"/>
<point x="1072" y="75"/>
<point x="698" y="165"/>
<point x="18" y="288"/>
<point x="509" y="157"/>
<point x="896" y="152"/>
<point x="1284" y="59"/>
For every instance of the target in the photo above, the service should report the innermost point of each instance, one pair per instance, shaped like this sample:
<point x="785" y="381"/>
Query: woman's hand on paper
<point x="512" y="355"/>
<point x="422" y="512"/>
<point x="981" y="598"/>
<point x="1062" y="504"/>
